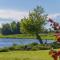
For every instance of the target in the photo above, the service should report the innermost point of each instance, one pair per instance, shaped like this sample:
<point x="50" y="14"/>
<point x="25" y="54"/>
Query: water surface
<point x="6" y="42"/>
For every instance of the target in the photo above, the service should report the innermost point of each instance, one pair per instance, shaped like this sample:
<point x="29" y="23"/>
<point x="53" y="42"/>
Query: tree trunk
<point x="39" y="38"/>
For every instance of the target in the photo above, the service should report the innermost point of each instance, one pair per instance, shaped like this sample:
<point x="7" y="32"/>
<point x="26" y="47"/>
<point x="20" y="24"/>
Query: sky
<point x="14" y="10"/>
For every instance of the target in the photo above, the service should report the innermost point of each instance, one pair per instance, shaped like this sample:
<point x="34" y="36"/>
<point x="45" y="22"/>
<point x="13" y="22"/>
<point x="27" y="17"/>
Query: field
<point x="43" y="36"/>
<point x="25" y="55"/>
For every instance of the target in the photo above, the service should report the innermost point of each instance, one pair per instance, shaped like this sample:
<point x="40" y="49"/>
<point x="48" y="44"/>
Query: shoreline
<point x="26" y="36"/>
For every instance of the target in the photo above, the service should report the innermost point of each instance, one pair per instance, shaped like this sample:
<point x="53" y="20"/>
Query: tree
<point x="34" y="24"/>
<point x="6" y="29"/>
<point x="18" y="27"/>
<point x="11" y="28"/>
<point x="14" y="27"/>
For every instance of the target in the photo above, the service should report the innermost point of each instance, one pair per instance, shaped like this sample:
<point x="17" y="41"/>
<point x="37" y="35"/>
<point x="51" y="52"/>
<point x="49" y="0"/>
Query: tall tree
<point x="6" y="29"/>
<point x="18" y="27"/>
<point x="14" y="27"/>
<point x="11" y="28"/>
<point x="34" y="24"/>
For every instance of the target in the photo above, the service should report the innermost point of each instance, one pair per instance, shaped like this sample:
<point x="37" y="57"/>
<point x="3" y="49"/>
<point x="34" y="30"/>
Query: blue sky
<point x="16" y="9"/>
<point x="51" y="6"/>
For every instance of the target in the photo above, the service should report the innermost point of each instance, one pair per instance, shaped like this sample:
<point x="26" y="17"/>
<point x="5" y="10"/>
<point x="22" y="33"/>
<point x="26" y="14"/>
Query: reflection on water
<point x="5" y="42"/>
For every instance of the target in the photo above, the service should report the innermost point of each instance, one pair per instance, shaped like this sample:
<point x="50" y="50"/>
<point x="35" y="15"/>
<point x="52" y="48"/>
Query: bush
<point x="12" y="48"/>
<point x="41" y="47"/>
<point x="55" y="45"/>
<point x="32" y="46"/>
<point x="35" y="48"/>
<point x="4" y="50"/>
<point x="34" y="43"/>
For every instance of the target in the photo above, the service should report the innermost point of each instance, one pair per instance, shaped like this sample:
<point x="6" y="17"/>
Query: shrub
<point x="4" y="50"/>
<point x="12" y="48"/>
<point x="35" y="48"/>
<point x="55" y="45"/>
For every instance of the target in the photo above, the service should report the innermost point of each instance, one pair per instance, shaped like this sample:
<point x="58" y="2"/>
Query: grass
<point x="49" y="36"/>
<point x="25" y="55"/>
<point x="17" y="36"/>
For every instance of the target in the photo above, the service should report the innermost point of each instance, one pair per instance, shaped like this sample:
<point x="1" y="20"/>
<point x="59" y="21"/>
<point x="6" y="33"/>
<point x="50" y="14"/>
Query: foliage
<point x="6" y="29"/>
<point x="4" y="49"/>
<point x="34" y="24"/>
<point x="55" y="45"/>
<point x="12" y="28"/>
<point x="29" y="47"/>
<point x="18" y="27"/>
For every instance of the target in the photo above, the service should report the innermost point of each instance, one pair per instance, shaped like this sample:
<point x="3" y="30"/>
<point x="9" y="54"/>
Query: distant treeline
<point x="11" y="28"/>
<point x="15" y="28"/>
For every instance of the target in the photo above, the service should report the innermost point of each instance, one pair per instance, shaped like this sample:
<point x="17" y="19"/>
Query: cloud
<point x="17" y="15"/>
<point x="0" y="25"/>
<point x="54" y="15"/>
<point x="12" y="14"/>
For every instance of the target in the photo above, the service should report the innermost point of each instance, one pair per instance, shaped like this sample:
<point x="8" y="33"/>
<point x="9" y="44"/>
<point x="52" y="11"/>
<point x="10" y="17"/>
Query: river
<point x="6" y="42"/>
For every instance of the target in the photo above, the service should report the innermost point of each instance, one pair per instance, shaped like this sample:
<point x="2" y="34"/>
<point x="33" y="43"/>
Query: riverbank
<point x="26" y="55"/>
<point x="28" y="36"/>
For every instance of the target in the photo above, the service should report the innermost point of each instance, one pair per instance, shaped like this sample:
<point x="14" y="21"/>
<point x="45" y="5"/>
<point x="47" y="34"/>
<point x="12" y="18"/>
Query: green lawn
<point x="25" y="55"/>
<point x="49" y="36"/>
